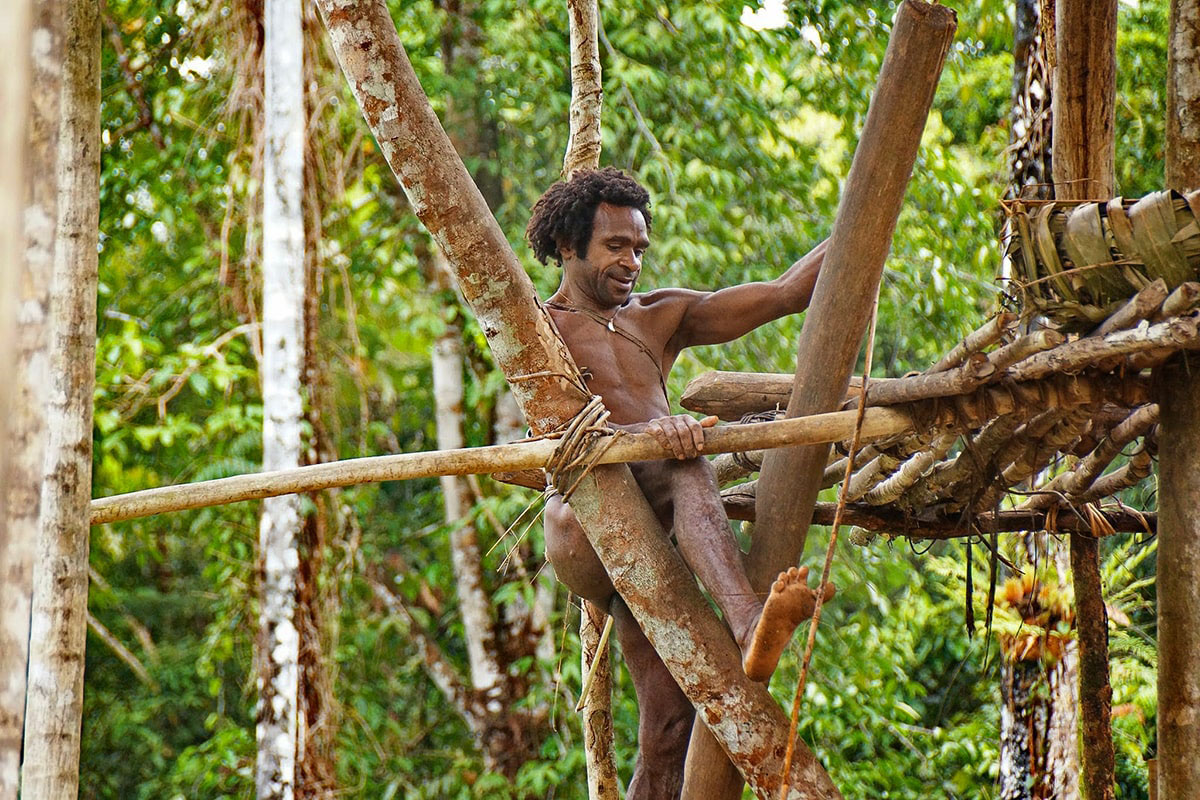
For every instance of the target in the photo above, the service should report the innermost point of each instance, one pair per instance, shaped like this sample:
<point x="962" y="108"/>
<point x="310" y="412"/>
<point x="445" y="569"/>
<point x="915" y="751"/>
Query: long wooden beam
<point x="841" y="307"/>
<point x="820" y="428"/>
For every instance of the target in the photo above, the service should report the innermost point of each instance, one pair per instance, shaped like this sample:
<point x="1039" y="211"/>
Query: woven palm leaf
<point x="1077" y="261"/>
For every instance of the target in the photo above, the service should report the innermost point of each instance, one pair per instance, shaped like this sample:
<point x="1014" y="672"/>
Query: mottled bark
<point x="1084" y="99"/>
<point x="28" y="177"/>
<point x="58" y="621"/>
<point x="587" y="95"/>
<point x="1097" y="759"/>
<point x="284" y="283"/>
<point x="624" y="532"/>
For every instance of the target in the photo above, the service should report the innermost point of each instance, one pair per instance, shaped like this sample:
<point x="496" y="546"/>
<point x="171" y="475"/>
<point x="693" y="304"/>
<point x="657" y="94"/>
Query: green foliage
<point x="744" y="138"/>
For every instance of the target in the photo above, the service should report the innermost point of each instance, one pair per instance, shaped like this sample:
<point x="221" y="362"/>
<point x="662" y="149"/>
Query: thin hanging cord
<point x="837" y="522"/>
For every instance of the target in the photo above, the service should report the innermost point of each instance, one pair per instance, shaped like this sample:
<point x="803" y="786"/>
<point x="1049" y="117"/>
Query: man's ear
<point x="565" y="251"/>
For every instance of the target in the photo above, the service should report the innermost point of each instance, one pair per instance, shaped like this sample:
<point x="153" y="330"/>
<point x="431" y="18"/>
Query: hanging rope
<point x="829" y="551"/>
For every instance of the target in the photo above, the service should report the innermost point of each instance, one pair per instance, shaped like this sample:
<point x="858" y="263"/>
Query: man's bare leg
<point x="664" y="714"/>
<point x="761" y="629"/>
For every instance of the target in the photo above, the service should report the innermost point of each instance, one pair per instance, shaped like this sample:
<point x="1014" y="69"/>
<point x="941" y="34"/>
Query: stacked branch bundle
<point x="1066" y="383"/>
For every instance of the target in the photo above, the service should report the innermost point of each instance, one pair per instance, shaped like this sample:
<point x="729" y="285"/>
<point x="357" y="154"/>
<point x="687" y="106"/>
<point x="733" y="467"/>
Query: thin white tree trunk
<point x="283" y="355"/>
<point x="16" y="551"/>
<point x="58" y="622"/>
<point x="473" y="602"/>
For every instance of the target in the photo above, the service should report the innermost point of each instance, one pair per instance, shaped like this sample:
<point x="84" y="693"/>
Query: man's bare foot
<point x="790" y="603"/>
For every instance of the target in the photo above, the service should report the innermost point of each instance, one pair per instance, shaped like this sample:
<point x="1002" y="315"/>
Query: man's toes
<point x="830" y="590"/>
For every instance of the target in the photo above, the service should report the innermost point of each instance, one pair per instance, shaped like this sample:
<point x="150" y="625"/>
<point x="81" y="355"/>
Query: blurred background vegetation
<point x="743" y="137"/>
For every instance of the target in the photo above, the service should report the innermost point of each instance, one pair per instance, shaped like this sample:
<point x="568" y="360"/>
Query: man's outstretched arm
<point x="726" y="314"/>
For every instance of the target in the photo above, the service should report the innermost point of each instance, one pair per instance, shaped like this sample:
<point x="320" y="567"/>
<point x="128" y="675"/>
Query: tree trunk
<point x="28" y="208"/>
<point x="838" y="315"/>
<point x="283" y="353"/>
<point x="1179" y="460"/>
<point x="646" y="570"/>
<point x="1030" y="132"/>
<point x="583" y="152"/>
<point x="478" y="624"/>
<point x="1084" y="98"/>
<point x="58" y="622"/>
<point x="1021" y="726"/>
<point x="1046" y="709"/>
<point x="16" y="549"/>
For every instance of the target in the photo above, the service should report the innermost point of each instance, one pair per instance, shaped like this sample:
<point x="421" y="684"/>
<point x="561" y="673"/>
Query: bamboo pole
<point x="840" y="309"/>
<point x="480" y="460"/>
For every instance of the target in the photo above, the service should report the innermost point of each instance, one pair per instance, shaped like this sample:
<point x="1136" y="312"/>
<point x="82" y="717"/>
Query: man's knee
<point x="570" y="553"/>
<point x="664" y="732"/>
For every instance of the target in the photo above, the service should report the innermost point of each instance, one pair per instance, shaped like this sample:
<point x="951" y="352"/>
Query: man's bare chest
<point x="623" y="367"/>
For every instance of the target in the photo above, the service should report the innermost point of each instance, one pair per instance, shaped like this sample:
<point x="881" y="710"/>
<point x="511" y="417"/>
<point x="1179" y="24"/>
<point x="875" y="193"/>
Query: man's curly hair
<point x="564" y="214"/>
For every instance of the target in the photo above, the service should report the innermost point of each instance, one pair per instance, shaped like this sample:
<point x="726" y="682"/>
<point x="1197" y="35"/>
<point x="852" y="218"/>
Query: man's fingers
<point x="696" y="432"/>
<point x="709" y="421"/>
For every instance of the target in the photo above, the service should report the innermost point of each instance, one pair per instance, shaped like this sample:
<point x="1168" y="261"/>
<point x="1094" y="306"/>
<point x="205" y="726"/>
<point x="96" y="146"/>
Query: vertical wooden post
<point x="1084" y="94"/>
<point x="58" y="620"/>
<point x="840" y="310"/>
<point x="644" y="567"/>
<point x="16" y="556"/>
<point x="583" y="152"/>
<point x="1179" y="459"/>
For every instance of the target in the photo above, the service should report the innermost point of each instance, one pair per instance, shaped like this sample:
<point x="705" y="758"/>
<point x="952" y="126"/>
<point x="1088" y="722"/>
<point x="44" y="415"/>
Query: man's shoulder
<point x="667" y="297"/>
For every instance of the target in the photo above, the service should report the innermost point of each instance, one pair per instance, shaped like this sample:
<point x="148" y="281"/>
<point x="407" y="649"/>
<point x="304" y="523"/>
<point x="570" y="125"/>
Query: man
<point x="596" y="226"/>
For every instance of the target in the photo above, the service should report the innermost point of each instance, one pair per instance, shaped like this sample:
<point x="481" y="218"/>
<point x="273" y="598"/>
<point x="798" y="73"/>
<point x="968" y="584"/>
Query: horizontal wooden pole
<point x="739" y="505"/>
<point x="816" y="429"/>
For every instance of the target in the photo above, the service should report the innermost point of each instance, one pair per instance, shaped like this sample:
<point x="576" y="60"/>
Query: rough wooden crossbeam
<point x="739" y="505"/>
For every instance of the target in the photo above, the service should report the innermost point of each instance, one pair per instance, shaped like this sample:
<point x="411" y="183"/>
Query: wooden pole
<point x="831" y="427"/>
<point x="647" y="571"/>
<point x="1179" y="459"/>
<point x="841" y="306"/>
<point x="1084" y="97"/>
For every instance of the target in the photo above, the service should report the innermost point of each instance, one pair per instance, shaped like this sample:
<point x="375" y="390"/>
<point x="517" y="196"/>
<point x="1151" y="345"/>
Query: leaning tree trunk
<point x="1084" y="97"/>
<point x="1179" y="460"/>
<point x="646" y="570"/>
<point x="840" y="310"/>
<point x="283" y="354"/>
<point x="58" y="621"/>
<point x="16" y="549"/>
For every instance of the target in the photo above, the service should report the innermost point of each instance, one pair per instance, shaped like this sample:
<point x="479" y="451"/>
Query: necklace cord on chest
<point x="610" y="323"/>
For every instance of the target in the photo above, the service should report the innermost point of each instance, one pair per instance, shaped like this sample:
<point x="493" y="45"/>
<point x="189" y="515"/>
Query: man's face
<point x="607" y="272"/>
